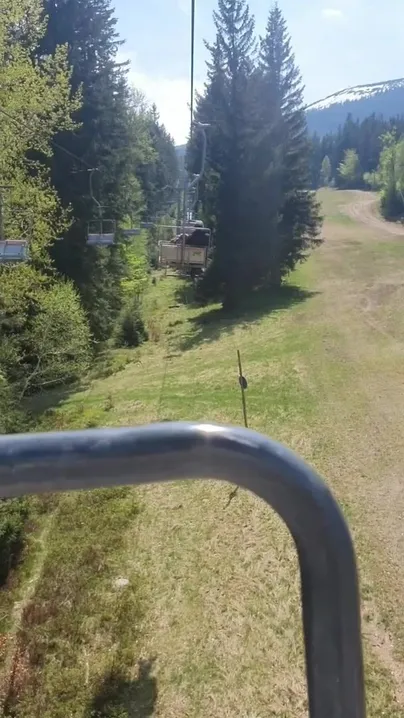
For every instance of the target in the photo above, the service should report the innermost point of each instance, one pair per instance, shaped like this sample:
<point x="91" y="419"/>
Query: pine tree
<point x="159" y="174"/>
<point x="325" y="173"/>
<point x="225" y="106"/>
<point x="87" y="27"/>
<point x="287" y="217"/>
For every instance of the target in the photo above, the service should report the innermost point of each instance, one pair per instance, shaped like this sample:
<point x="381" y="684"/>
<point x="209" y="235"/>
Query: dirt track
<point x="363" y="208"/>
<point x="360" y="274"/>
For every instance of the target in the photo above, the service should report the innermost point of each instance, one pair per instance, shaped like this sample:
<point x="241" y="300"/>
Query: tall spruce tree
<point x="224" y="106"/>
<point x="287" y="219"/>
<point x="87" y="27"/>
<point x="158" y="176"/>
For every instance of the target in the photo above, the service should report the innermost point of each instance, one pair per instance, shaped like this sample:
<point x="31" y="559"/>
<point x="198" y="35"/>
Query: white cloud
<point x="171" y="96"/>
<point x="330" y="13"/>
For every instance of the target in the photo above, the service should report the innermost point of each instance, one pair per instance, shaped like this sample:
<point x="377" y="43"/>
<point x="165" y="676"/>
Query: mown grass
<point x="213" y="625"/>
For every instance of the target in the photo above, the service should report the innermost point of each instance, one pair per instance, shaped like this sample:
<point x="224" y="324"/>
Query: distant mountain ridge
<point x="379" y="98"/>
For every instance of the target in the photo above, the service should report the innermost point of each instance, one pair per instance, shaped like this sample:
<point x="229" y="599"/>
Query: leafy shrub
<point x="58" y="337"/>
<point x="391" y="203"/>
<point x="130" y="330"/>
<point x="12" y="418"/>
<point x="44" y="334"/>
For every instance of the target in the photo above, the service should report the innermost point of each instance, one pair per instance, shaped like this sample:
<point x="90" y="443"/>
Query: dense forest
<point x="367" y="154"/>
<point x="70" y="111"/>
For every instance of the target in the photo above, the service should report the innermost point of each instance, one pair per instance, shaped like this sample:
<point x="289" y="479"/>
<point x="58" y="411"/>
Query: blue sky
<point x="337" y="43"/>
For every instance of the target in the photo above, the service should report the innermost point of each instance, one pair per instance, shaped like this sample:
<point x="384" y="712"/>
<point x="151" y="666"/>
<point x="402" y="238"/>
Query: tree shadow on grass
<point x="118" y="697"/>
<point x="214" y="322"/>
<point x="185" y="293"/>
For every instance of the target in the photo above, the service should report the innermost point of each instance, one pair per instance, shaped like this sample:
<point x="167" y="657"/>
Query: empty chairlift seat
<point x="13" y="250"/>
<point x="101" y="233"/>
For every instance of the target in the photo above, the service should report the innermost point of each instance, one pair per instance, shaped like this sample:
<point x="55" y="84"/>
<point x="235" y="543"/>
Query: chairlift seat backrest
<point x="132" y="232"/>
<point x="13" y="250"/>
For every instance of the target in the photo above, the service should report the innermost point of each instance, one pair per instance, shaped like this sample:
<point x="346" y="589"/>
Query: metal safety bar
<point x="35" y="463"/>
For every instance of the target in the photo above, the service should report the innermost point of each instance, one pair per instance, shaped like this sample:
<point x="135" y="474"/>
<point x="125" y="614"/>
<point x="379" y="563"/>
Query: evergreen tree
<point x="158" y="175"/>
<point x="325" y="174"/>
<point x="87" y="27"/>
<point x="45" y="338"/>
<point x="287" y="214"/>
<point x="225" y="106"/>
<point x="316" y="157"/>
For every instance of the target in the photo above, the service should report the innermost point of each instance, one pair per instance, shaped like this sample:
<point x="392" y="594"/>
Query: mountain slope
<point x="381" y="98"/>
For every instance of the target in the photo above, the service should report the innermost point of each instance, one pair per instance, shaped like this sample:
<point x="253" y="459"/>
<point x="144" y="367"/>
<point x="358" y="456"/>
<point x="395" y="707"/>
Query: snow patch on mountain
<point x="353" y="94"/>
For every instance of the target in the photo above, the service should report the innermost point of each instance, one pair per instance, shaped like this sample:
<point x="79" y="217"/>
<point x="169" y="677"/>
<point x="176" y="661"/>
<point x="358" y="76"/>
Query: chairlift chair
<point x="101" y="232"/>
<point x="97" y="458"/>
<point x="13" y="250"/>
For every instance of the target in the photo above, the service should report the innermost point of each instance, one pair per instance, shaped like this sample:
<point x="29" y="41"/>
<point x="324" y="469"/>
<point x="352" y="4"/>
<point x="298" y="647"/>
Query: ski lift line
<point x="97" y="235"/>
<point x="66" y="461"/>
<point x="12" y="251"/>
<point x="192" y="62"/>
<point x="53" y="142"/>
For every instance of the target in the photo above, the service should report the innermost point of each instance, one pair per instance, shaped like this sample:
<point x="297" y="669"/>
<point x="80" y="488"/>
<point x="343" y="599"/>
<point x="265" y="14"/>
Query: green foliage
<point x="256" y="192"/>
<point x="45" y="339"/>
<point x="350" y="171"/>
<point x="372" y="180"/>
<point x="20" y="289"/>
<point x="38" y="100"/>
<point x="390" y="176"/>
<point x="13" y="515"/>
<point x="103" y="139"/>
<point x="60" y="79"/>
<point x="225" y="106"/>
<point x="325" y="172"/>
<point x="37" y="96"/>
<point x="118" y="134"/>
<point x="137" y="266"/>
<point x="288" y="219"/>
<point x="130" y="330"/>
<point x="59" y="338"/>
<point x="11" y="416"/>
<point x="365" y="137"/>
<point x="158" y="176"/>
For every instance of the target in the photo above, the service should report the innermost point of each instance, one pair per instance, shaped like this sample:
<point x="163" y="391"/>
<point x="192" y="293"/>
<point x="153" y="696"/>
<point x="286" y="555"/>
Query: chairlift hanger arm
<point x="90" y="175"/>
<point x="36" y="463"/>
